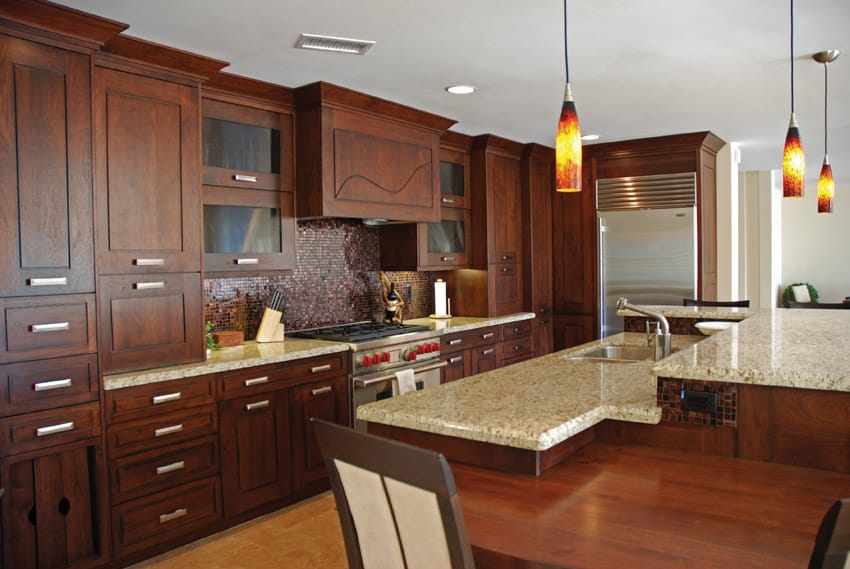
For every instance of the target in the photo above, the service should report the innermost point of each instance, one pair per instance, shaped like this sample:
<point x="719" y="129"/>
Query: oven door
<point x="383" y="385"/>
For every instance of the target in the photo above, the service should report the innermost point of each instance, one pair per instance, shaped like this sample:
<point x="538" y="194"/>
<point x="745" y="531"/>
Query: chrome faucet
<point x="661" y="338"/>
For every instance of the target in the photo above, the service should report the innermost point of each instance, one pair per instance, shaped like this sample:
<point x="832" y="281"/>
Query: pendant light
<point x="793" y="159"/>
<point x="568" y="139"/>
<point x="826" y="184"/>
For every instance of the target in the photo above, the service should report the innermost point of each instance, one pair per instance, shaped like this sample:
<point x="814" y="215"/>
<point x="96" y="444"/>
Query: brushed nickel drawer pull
<point x="447" y="200"/>
<point x="455" y="359"/>
<point x="178" y="513"/>
<point x="244" y="178"/>
<point x="149" y="285"/>
<point x="52" y="327"/>
<point x="320" y="369"/>
<point x="54" y="429"/>
<point x="507" y="270"/>
<point x="519" y="347"/>
<point x="455" y="342"/>
<point x="488" y="351"/>
<point x="487" y="335"/>
<point x="258" y="405"/>
<point x="54" y="384"/>
<point x="248" y="261"/>
<point x="256" y="381"/>
<point x="170" y="467"/>
<point x="447" y="259"/>
<point x="507" y="257"/>
<point x="158" y="399"/>
<point x="48" y="281"/>
<point x="517" y="330"/>
<point x="322" y="390"/>
<point x="149" y="262"/>
<point x="168" y="430"/>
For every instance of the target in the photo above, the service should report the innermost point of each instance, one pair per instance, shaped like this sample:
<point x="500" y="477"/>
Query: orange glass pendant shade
<point x="826" y="188"/>
<point x="793" y="162"/>
<point x="568" y="148"/>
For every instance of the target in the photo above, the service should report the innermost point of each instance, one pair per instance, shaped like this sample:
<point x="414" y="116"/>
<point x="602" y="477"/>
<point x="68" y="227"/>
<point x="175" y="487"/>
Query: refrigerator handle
<point x="600" y="268"/>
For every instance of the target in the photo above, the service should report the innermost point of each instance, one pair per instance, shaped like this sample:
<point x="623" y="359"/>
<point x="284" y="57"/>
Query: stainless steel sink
<point x="617" y="354"/>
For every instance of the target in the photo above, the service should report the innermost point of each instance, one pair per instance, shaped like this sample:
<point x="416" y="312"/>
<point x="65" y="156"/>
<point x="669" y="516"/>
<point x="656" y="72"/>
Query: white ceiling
<point x="637" y="67"/>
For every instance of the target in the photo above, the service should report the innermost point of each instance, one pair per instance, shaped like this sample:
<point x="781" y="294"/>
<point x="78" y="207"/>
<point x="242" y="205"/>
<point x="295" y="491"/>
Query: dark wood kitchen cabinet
<point x="248" y="173"/>
<point x="46" y="242"/>
<point x="470" y="352"/>
<point x="364" y="157"/>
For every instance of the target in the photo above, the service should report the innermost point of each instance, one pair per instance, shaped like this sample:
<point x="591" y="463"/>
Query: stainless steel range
<point x="378" y="351"/>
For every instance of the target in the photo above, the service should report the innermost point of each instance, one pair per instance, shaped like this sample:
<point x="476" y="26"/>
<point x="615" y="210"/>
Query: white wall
<point x="761" y="224"/>
<point x="727" y="222"/>
<point x="816" y="246"/>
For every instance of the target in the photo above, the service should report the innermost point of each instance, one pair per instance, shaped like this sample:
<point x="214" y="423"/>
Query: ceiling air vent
<point x="330" y="43"/>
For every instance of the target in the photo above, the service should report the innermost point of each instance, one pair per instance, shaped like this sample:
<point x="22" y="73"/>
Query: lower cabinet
<point x="517" y="343"/>
<point x="485" y="349"/>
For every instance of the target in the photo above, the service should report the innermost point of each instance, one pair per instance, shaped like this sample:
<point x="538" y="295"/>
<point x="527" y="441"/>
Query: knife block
<point x="271" y="328"/>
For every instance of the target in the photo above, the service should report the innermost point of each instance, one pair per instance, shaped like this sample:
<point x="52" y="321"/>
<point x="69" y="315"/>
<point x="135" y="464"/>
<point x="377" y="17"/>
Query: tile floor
<point x="303" y="536"/>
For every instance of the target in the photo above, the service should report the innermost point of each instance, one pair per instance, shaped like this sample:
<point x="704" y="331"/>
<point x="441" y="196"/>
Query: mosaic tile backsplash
<point x="670" y="400"/>
<point x="336" y="279"/>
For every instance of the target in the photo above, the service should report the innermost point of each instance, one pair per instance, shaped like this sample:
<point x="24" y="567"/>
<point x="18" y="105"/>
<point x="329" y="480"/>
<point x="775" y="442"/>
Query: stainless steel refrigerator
<point x="647" y="243"/>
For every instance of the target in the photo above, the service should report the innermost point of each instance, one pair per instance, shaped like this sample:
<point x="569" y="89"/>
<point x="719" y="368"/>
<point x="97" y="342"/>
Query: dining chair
<point x="727" y="303"/>
<point x="833" y="537"/>
<point x="398" y="505"/>
<point x="828" y="305"/>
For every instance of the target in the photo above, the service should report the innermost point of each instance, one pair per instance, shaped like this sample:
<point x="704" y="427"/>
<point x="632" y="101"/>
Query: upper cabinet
<point x="364" y="157"/>
<point x="147" y="172"/>
<point x="248" y="173"/>
<point x="45" y="179"/>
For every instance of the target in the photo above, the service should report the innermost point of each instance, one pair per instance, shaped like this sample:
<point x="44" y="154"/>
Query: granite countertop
<point x="253" y="354"/>
<point x="535" y="404"/>
<point x="696" y="312"/>
<point x="807" y="349"/>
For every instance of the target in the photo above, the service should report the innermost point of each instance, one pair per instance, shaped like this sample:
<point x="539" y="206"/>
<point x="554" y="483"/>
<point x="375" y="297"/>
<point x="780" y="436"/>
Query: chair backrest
<point x="727" y="303"/>
<point x="837" y="560"/>
<point x="828" y="305"/>
<point x="397" y="503"/>
<point x="833" y="536"/>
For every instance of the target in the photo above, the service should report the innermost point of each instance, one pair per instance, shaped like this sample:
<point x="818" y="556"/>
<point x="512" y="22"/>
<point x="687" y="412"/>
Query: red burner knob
<point x="367" y="361"/>
<point x="435" y="346"/>
<point x="412" y="356"/>
<point x="385" y="357"/>
<point x="420" y="349"/>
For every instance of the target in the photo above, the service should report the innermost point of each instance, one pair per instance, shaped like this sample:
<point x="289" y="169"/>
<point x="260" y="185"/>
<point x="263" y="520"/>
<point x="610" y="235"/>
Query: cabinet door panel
<point x="45" y="384"/>
<point x="454" y="178"/>
<point x="505" y="207"/>
<point x="505" y="289"/>
<point x="45" y="184"/>
<point x="147" y="183"/>
<point x="484" y="359"/>
<point x="446" y="243"/>
<point x="458" y="366"/>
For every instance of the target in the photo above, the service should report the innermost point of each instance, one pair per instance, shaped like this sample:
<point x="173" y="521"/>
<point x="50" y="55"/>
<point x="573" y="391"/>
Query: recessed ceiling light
<point x="461" y="89"/>
<point x="590" y="137"/>
<point x="331" y="43"/>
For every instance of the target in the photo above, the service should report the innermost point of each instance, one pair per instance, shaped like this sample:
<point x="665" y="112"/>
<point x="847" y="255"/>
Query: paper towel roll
<point x="440" y="298"/>
<point x="406" y="381"/>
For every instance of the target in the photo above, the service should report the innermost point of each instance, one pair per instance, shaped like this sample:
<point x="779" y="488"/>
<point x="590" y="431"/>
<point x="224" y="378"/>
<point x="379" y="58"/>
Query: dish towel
<point x="406" y="381"/>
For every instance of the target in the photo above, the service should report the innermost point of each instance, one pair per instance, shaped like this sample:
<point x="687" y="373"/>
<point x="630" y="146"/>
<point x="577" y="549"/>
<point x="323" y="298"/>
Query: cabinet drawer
<point x="266" y="378"/>
<point x="156" y="398"/>
<point x="515" y="348"/>
<point x="45" y="429"/>
<point x="160" y="469"/>
<point x="516" y="329"/>
<point x="164" y="516"/>
<point x="144" y="434"/>
<point x="454" y="342"/>
<point x="47" y="327"/>
<point x="46" y="384"/>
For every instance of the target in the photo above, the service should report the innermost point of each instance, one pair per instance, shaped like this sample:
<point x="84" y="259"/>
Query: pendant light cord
<point x="566" y="58"/>
<point x="792" y="56"/>
<point x="825" y="91"/>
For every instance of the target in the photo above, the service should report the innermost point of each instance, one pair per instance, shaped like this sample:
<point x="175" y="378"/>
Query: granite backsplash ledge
<point x="336" y="279"/>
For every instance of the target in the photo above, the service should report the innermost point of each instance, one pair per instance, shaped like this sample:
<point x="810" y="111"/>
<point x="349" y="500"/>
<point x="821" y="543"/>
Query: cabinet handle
<point x="54" y="429"/>
<point x="517" y="330"/>
<point x="507" y="269"/>
<point x="487" y="335"/>
<point x="52" y="327"/>
<point x="149" y="262"/>
<point x="542" y="310"/>
<point x="48" y="281"/>
<point x="447" y="200"/>
<point x="447" y="259"/>
<point x="488" y="351"/>
<point x="456" y="359"/>
<point x="168" y="430"/>
<point x="519" y="347"/>
<point x="167" y="397"/>
<point x="507" y="257"/>
<point x="320" y="369"/>
<point x="544" y="322"/>
<point x="258" y="405"/>
<point x="178" y="513"/>
<point x="455" y="342"/>
<point x="248" y="261"/>
<point x="149" y="285"/>
<point x="54" y="384"/>
<point x="256" y="381"/>
<point x="244" y="178"/>
<point x="170" y="467"/>
<point x="322" y="390"/>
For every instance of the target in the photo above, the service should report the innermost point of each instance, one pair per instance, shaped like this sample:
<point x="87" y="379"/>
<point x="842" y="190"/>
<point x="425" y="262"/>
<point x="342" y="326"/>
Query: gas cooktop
<point x="357" y="331"/>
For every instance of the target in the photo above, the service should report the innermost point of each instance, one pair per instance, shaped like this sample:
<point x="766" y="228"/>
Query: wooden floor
<point x="607" y="506"/>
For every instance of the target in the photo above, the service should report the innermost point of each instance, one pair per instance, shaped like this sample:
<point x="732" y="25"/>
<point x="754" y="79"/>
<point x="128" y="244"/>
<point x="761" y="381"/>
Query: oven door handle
<point x="362" y="383"/>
